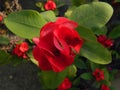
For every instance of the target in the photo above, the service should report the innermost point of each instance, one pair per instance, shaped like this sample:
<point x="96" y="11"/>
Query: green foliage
<point x="93" y="66"/>
<point x="59" y="3"/>
<point x="25" y="23"/>
<point x="6" y="58"/>
<point x="71" y="71"/>
<point x="86" y="76"/>
<point x="78" y="2"/>
<point x="115" y="33"/>
<point x="77" y="81"/>
<point x="4" y="40"/>
<point x="106" y="74"/>
<point x="52" y="79"/>
<point x="86" y="33"/>
<point x="95" y="14"/>
<point x="112" y="74"/>
<point x="69" y="11"/>
<point x="49" y="16"/>
<point x="116" y="1"/>
<point x="79" y="63"/>
<point x="100" y="31"/>
<point x="32" y="58"/>
<point x="74" y="88"/>
<point x="91" y="49"/>
<point x="96" y="53"/>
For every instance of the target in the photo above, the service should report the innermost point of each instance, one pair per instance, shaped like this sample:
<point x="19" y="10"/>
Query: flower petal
<point x="67" y="23"/>
<point x="70" y="37"/>
<point x="40" y="56"/>
<point x="48" y="28"/>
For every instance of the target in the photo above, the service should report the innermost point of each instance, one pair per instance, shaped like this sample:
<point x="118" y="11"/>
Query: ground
<point x="21" y="77"/>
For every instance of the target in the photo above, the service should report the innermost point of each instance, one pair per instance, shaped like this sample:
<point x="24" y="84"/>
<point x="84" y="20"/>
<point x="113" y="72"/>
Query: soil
<point x="21" y="77"/>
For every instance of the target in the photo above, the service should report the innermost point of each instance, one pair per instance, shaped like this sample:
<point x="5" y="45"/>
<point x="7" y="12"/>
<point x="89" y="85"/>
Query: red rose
<point x="104" y="41"/>
<point x="99" y="74"/>
<point x="104" y="87"/>
<point x="1" y="18"/>
<point x="57" y="45"/>
<point x="65" y="85"/>
<point x="21" y="49"/>
<point x="50" y="5"/>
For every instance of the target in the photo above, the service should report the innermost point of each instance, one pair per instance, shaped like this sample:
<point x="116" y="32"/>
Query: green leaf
<point x="111" y="76"/>
<point x="96" y="53"/>
<point x="52" y="79"/>
<point x="4" y="40"/>
<point x="25" y="23"/>
<point x="96" y="84"/>
<point x="86" y="33"/>
<point x="6" y="58"/>
<point x="78" y="2"/>
<point x="77" y="81"/>
<point x="106" y="74"/>
<point x="112" y="88"/>
<point x="87" y="76"/>
<point x="116" y="1"/>
<point x="95" y="65"/>
<point x="106" y="82"/>
<point x="30" y="54"/>
<point x="100" y="31"/>
<point x="95" y="14"/>
<point x="74" y="88"/>
<point x="59" y="3"/>
<point x="115" y="33"/>
<point x="79" y="63"/>
<point x="49" y="16"/>
<point x="69" y="11"/>
<point x="71" y="71"/>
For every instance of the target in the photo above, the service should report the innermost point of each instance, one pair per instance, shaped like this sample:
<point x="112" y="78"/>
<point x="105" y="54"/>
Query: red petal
<point x="60" y="62"/>
<point x="36" y="40"/>
<point x="70" y="37"/>
<point x="24" y="47"/>
<point x="39" y="55"/>
<point x="67" y="23"/>
<point x="48" y="28"/>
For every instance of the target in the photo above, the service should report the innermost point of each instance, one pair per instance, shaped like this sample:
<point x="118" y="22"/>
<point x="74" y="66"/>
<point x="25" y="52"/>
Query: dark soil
<point x="21" y="77"/>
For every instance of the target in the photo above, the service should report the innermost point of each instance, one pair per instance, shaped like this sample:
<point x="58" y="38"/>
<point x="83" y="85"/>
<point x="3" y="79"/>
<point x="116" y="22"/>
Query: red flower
<point x="21" y="49"/>
<point x="65" y="85"/>
<point x="57" y="45"/>
<point x="104" y="87"/>
<point x="104" y="41"/>
<point x="99" y="74"/>
<point x="1" y="18"/>
<point x="50" y="5"/>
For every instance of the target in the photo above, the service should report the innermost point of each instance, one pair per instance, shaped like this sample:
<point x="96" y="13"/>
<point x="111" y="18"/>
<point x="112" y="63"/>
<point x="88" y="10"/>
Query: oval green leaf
<point x="49" y="16"/>
<point x="25" y="23"/>
<point x="86" y="76"/>
<point x="51" y="79"/>
<point x="95" y="14"/>
<point x="115" y="33"/>
<point x="86" y="34"/>
<point x="96" y="53"/>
